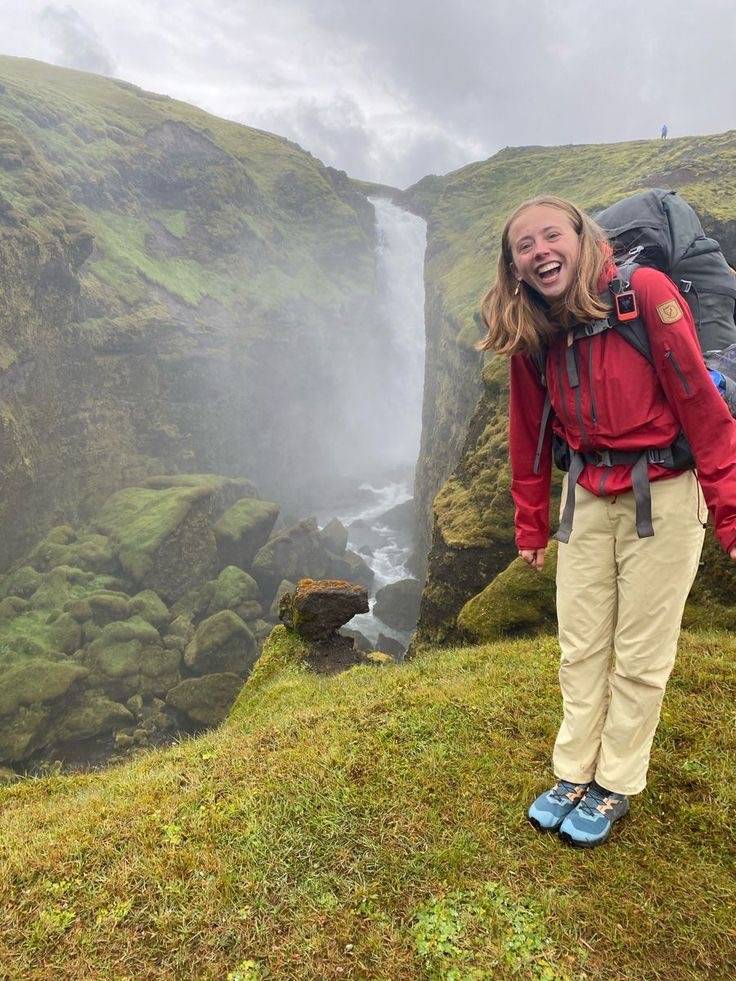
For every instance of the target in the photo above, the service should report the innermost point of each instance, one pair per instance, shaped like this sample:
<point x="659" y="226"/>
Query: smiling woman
<point x="624" y="571"/>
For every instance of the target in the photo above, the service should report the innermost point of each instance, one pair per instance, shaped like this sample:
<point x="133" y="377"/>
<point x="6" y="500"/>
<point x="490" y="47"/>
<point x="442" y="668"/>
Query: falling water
<point x="401" y="239"/>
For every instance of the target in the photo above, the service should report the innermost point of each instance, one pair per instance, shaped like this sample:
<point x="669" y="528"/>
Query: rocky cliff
<point x="177" y="293"/>
<point x="462" y="470"/>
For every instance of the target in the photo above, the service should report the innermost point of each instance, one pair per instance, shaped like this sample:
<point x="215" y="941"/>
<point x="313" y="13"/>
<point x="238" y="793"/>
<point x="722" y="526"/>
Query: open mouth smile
<point x="549" y="272"/>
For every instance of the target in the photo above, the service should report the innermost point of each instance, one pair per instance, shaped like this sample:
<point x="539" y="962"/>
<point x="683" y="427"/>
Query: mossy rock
<point x="59" y="586"/>
<point x="225" y="490"/>
<point x="221" y="643"/>
<point x="92" y="552"/>
<point x="164" y="540"/>
<point x="243" y="529"/>
<point x="397" y="604"/>
<point x="13" y="606"/>
<point x="235" y="590"/>
<point x="520" y="600"/>
<point x="22" y="733"/>
<point x="36" y="681"/>
<point x="150" y="607"/>
<point x="128" y="658"/>
<point x="207" y="700"/>
<point x="92" y="715"/>
<point x="109" y="607"/>
<point x="182" y="626"/>
<point x="80" y="609"/>
<point x="66" y="633"/>
<point x="23" y="582"/>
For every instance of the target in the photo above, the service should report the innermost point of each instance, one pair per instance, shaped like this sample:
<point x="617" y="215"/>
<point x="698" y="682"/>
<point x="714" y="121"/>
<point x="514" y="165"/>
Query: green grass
<point x="371" y="825"/>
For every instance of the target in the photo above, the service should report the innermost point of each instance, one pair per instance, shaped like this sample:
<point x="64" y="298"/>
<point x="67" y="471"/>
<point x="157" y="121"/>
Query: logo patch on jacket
<point x="669" y="312"/>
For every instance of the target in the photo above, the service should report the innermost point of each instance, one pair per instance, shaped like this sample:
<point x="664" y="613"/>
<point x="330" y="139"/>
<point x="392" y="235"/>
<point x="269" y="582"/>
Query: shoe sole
<point x="569" y="840"/>
<point x="540" y="827"/>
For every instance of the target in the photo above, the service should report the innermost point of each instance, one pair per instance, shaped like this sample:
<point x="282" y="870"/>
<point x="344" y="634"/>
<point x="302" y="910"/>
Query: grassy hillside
<point x="371" y="825"/>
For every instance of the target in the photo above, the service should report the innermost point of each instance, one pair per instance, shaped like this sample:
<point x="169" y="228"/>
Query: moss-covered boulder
<point x="23" y="582"/>
<point x="335" y="536"/>
<point x="520" y="600"/>
<point x="235" y="590"/>
<point x="295" y="553"/>
<point x="128" y="658"/>
<point x="35" y="681"/>
<point x="108" y="607"/>
<point x="12" y="606"/>
<point x="221" y="643"/>
<point x="23" y="732"/>
<point x="149" y="606"/>
<point x="92" y="715"/>
<point x="397" y="604"/>
<point x="205" y="701"/>
<point x="243" y="529"/>
<point x="61" y="546"/>
<point x="225" y="490"/>
<point x="66" y="633"/>
<point x="59" y="586"/>
<point x="163" y="537"/>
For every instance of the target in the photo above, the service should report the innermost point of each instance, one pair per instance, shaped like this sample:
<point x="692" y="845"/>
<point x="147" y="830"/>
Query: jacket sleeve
<point x="530" y="491"/>
<point x="705" y="419"/>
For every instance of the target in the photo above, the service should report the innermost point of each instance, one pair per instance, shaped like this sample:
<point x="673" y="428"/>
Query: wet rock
<point x="221" y="643"/>
<point x="150" y="607"/>
<point x="92" y="715"/>
<point x="390" y="646"/>
<point x="353" y="567"/>
<point x="243" y="530"/>
<point x="360" y="640"/>
<point x="318" y="608"/>
<point x="293" y="554"/>
<point x="284" y="587"/>
<point x="397" y="604"/>
<point x="207" y="700"/>
<point x="335" y="536"/>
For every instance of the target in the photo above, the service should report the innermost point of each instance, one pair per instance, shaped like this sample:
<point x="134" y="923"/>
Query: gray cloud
<point x="394" y="89"/>
<point x="77" y="44"/>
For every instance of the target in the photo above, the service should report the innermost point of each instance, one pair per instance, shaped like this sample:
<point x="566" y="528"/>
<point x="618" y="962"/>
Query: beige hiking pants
<point x="619" y="605"/>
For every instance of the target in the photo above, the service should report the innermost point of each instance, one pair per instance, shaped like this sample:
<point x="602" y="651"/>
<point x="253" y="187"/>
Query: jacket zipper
<point x="669" y="356"/>
<point x="561" y="385"/>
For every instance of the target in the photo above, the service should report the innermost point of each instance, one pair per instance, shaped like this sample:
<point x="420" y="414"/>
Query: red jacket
<point x="624" y="403"/>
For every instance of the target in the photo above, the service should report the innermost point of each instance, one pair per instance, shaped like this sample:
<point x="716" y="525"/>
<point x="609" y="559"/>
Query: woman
<point x="632" y="515"/>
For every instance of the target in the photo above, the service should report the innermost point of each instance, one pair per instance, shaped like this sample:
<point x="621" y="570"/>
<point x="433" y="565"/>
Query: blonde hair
<point x="517" y="318"/>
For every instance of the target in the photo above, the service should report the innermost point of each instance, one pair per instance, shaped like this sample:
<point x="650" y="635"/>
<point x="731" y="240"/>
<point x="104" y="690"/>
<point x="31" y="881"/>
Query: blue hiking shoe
<point x="551" y="808"/>
<point x="590" y="823"/>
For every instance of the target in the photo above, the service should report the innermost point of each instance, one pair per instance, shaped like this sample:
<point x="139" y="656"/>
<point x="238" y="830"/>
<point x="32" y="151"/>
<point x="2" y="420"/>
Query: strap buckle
<point x="603" y="458"/>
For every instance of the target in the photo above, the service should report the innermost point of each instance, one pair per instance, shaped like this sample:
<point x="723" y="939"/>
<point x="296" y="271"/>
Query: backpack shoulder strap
<point x="634" y="331"/>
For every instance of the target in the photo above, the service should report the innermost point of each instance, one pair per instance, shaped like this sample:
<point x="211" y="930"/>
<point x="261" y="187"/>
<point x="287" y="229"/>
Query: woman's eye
<point x="524" y="247"/>
<point x="553" y="235"/>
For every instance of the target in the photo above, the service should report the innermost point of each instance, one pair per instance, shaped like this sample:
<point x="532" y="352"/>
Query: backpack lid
<point x="662" y="218"/>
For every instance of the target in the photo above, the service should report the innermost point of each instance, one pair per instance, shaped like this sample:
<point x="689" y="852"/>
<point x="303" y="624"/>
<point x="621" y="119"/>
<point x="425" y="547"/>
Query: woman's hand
<point x="732" y="553"/>
<point x="535" y="556"/>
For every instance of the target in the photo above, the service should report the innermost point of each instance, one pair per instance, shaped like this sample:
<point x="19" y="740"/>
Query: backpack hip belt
<point x="640" y="459"/>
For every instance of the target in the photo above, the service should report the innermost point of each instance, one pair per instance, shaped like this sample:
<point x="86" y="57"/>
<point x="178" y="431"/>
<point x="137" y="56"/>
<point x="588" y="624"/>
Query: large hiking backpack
<point x="657" y="228"/>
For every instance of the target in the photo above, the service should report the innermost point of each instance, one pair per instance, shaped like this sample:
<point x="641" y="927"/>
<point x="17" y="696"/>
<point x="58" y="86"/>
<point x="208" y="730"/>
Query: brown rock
<point x="319" y="607"/>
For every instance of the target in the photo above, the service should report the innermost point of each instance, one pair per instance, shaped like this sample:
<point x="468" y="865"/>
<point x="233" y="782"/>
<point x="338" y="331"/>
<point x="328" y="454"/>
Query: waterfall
<point x="401" y="240"/>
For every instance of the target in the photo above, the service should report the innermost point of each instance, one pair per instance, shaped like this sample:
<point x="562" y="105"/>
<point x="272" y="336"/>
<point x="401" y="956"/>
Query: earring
<point x="518" y="287"/>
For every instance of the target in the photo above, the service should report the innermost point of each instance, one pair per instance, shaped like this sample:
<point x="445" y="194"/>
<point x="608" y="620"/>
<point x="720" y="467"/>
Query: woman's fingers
<point x="535" y="556"/>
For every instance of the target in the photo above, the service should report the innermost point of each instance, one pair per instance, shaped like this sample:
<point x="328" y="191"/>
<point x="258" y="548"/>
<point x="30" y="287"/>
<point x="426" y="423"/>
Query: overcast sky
<point x="391" y="90"/>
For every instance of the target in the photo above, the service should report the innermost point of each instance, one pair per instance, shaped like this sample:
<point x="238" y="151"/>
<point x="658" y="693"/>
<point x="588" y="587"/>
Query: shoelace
<point x="592" y="799"/>
<point x="561" y="789"/>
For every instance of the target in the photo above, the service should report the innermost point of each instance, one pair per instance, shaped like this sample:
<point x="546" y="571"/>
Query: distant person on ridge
<point x="631" y="531"/>
<point x="663" y="131"/>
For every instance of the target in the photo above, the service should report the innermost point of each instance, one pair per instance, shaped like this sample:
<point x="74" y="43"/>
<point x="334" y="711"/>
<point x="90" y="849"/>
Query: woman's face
<point x="545" y="249"/>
